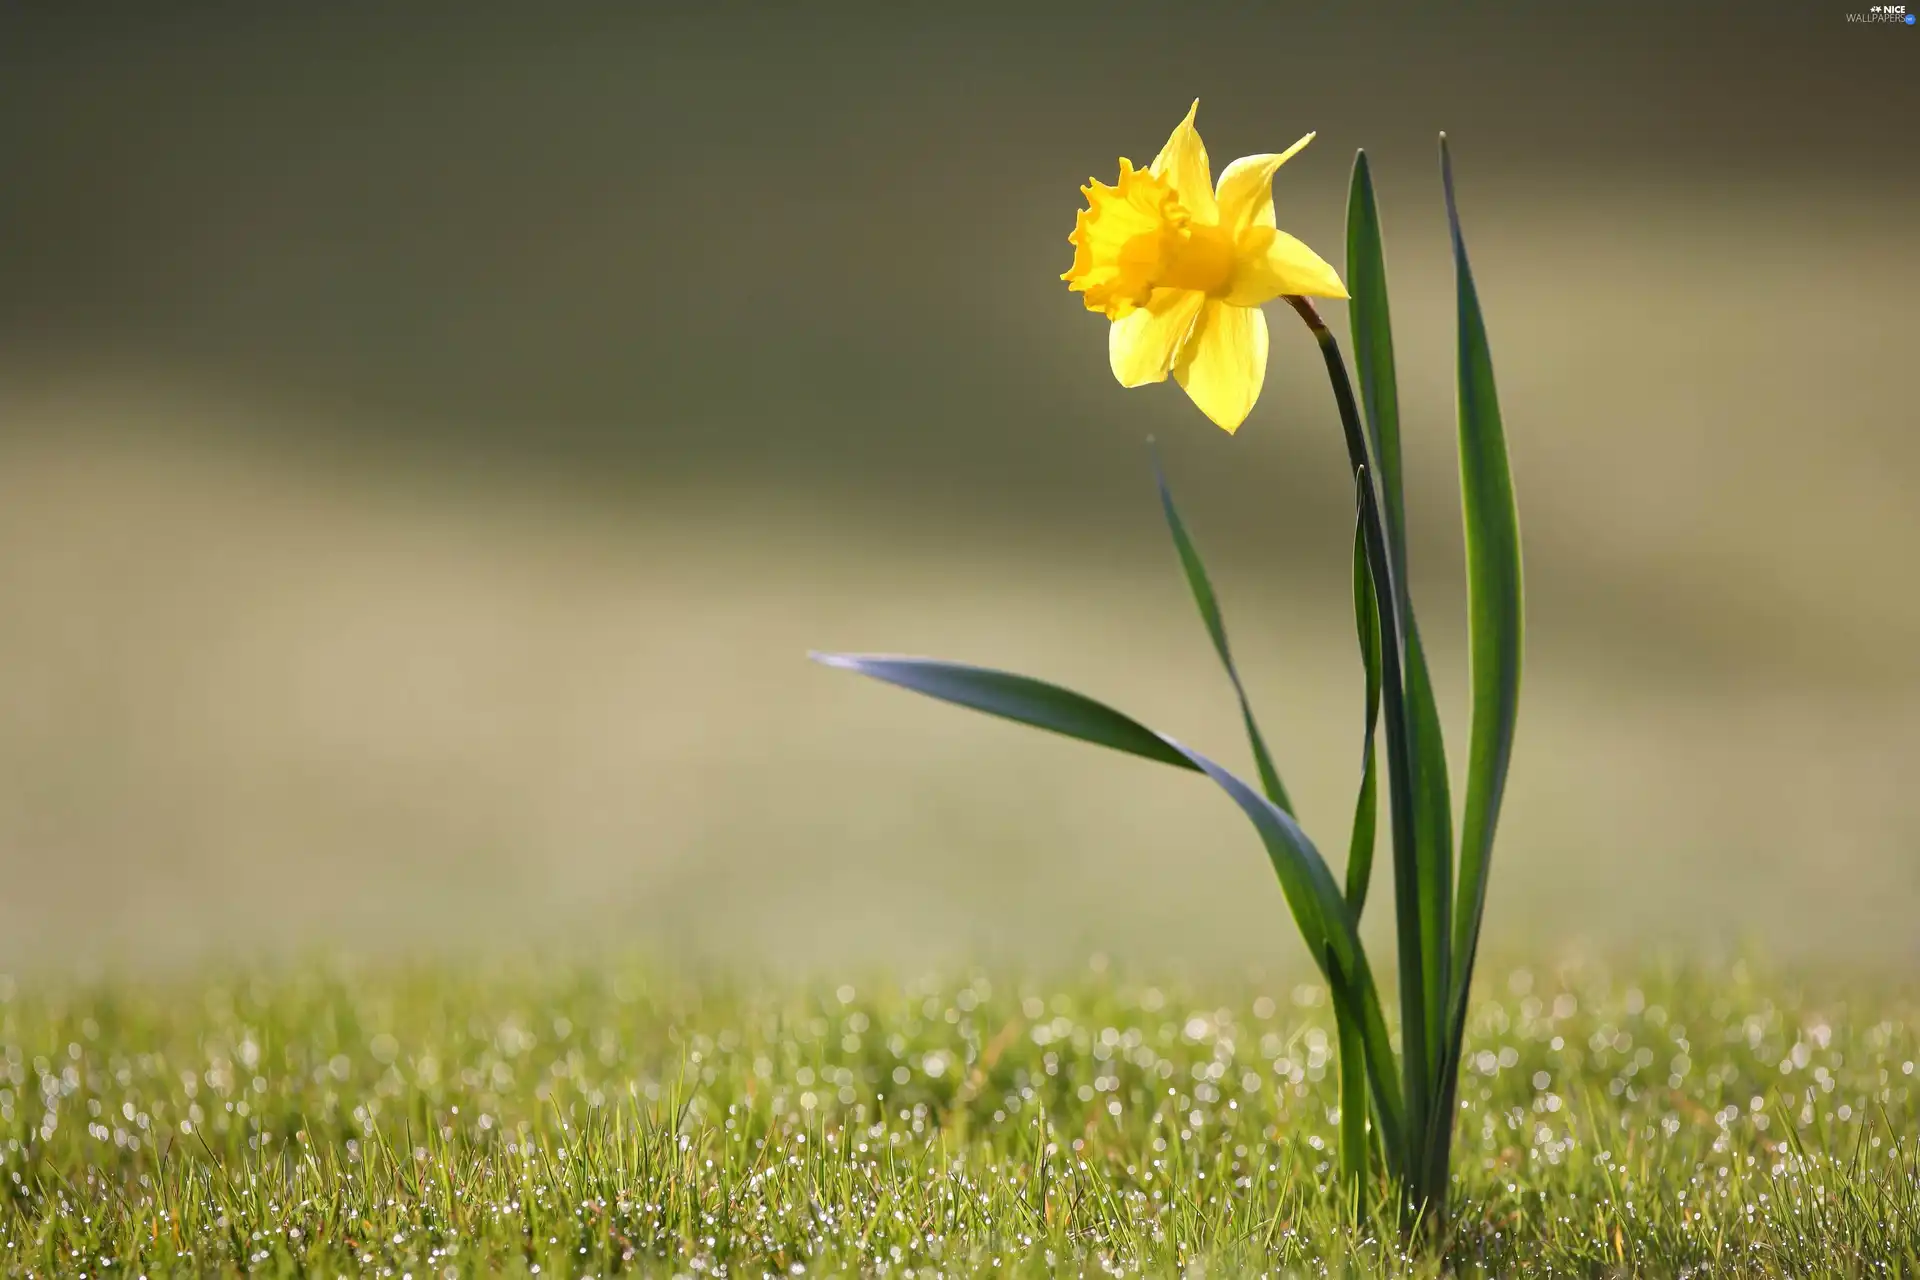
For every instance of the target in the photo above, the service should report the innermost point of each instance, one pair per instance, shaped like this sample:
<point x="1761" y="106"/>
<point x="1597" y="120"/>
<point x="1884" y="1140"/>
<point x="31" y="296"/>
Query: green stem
<point x="1413" y="1015"/>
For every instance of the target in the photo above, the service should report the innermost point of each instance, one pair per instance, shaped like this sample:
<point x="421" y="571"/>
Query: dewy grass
<point x="562" y="1120"/>
<point x="1181" y="269"/>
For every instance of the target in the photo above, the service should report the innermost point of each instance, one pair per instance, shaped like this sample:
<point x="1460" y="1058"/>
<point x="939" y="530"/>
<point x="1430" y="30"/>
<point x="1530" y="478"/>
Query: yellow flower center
<point x="1203" y="262"/>
<point x="1135" y="237"/>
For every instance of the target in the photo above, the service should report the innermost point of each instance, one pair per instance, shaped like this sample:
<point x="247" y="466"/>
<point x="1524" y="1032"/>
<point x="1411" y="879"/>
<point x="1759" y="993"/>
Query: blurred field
<point x="258" y="698"/>
<point x="427" y="454"/>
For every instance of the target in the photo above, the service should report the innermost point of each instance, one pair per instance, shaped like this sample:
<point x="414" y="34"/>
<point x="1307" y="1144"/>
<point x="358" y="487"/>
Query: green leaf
<point x="1312" y="895"/>
<point x="1432" y="820"/>
<point x="1372" y="327"/>
<point x="1433" y="835"/>
<point x="1366" y="618"/>
<point x="1353" y="1075"/>
<point x="1290" y="851"/>
<point x="1353" y="1081"/>
<point x="1495" y="624"/>
<point x="1209" y="606"/>
<point x="1018" y="698"/>
<point x="1495" y="632"/>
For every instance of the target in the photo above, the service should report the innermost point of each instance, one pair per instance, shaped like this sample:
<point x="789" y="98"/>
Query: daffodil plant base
<point x="1181" y="266"/>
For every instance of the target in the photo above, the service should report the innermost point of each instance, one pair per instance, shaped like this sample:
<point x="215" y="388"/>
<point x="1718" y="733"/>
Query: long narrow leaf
<point x="1495" y="638"/>
<point x="1311" y="892"/>
<point x="1372" y="326"/>
<point x="1353" y="1080"/>
<point x="1433" y="833"/>
<point x="1209" y="606"/>
<point x="1495" y="624"/>
<point x="1353" y="1067"/>
<point x="1366" y="808"/>
<point x="1288" y="846"/>
<point x="1373" y="347"/>
<point x="1018" y="698"/>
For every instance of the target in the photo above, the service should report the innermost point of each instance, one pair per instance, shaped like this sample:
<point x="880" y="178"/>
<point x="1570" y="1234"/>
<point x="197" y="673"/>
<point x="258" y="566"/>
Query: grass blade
<point x="1494" y="607"/>
<point x="1372" y="326"/>
<point x="1209" y="606"/>
<point x="1313" y="896"/>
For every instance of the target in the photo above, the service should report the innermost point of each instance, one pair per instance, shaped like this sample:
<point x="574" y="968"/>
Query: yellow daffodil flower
<point x="1181" y="267"/>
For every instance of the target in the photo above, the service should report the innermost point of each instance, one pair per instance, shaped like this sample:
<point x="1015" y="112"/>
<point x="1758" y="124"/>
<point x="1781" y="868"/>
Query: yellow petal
<point x="1245" y="194"/>
<point x="1224" y="362"/>
<point x="1142" y="344"/>
<point x="1269" y="263"/>
<point x="1183" y="163"/>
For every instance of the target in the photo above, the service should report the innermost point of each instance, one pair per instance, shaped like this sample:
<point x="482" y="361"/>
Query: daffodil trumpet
<point x="1181" y="266"/>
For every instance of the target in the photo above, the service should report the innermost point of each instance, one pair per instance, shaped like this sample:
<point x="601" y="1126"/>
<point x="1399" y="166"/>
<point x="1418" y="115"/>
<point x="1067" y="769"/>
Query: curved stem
<point x="1414" y="1048"/>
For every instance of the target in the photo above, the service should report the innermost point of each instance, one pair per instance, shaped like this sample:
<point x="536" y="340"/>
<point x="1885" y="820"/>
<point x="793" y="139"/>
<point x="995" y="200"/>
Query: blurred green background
<point x="430" y="440"/>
